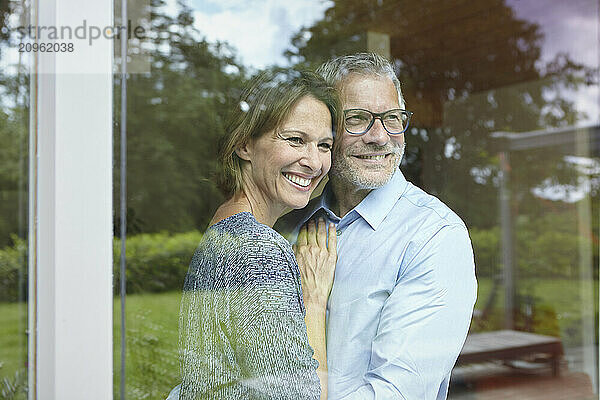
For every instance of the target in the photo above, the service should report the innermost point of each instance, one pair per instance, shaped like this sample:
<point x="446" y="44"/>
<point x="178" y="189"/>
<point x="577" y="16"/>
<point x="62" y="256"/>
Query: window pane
<point x="505" y="131"/>
<point x="14" y="161"/>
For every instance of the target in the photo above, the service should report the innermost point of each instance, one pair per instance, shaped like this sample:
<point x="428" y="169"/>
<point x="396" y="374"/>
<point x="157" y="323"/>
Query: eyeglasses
<point x="358" y="121"/>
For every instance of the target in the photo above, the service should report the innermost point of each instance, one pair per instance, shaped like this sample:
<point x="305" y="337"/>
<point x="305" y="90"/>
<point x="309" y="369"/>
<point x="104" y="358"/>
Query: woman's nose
<point x="311" y="158"/>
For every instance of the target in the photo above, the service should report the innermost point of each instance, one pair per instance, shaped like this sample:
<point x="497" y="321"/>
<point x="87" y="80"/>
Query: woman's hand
<point x="316" y="259"/>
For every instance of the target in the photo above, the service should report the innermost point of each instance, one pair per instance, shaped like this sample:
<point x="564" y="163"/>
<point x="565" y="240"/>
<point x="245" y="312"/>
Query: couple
<point x="255" y="311"/>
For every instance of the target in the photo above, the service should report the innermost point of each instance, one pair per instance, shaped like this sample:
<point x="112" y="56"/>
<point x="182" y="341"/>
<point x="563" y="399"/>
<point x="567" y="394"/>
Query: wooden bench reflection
<point x="509" y="345"/>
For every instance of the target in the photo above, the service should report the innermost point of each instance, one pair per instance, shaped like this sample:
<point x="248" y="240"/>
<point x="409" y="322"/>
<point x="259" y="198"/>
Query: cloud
<point x="568" y="26"/>
<point x="260" y="31"/>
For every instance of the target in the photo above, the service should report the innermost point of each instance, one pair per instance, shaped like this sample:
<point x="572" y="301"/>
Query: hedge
<point x="13" y="271"/>
<point x="156" y="262"/>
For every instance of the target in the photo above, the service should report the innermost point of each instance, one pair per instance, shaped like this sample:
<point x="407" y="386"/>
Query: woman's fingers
<point x="322" y="234"/>
<point x="311" y="233"/>
<point x="332" y="247"/>
<point x="316" y="253"/>
<point x="301" y="241"/>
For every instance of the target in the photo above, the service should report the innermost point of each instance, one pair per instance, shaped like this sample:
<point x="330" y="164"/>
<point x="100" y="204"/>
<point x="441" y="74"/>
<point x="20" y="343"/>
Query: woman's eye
<point x="326" y="146"/>
<point x="295" y="140"/>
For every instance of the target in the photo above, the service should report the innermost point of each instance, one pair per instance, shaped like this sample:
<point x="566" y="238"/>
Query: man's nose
<point x="377" y="134"/>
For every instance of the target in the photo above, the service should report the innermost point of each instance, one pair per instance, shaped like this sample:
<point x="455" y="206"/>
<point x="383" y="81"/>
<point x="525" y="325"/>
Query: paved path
<point x="511" y="384"/>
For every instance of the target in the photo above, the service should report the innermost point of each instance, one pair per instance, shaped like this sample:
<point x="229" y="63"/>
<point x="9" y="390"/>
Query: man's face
<point x="368" y="161"/>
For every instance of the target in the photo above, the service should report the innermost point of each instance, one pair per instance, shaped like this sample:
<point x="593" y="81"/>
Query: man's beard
<point x="359" y="178"/>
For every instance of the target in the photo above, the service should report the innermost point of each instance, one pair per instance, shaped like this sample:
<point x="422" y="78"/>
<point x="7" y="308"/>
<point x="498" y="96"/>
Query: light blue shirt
<point x="403" y="294"/>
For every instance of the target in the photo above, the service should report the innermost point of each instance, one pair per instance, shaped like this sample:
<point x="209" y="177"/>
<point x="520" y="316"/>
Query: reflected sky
<point x="569" y="27"/>
<point x="260" y="30"/>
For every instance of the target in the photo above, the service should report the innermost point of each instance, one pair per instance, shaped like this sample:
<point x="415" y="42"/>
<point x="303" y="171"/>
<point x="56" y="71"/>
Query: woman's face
<point x="285" y="165"/>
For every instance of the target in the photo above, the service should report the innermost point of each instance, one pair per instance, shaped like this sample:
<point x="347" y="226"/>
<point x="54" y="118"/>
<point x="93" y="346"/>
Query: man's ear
<point x="244" y="152"/>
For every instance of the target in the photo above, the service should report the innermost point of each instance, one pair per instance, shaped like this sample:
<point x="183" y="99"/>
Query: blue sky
<point x="260" y="30"/>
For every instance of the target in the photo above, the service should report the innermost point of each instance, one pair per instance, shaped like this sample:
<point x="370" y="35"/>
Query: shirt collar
<point x="373" y="208"/>
<point x="379" y="202"/>
<point x="315" y="205"/>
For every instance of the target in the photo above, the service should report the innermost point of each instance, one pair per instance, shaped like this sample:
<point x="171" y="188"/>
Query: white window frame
<point x="70" y="263"/>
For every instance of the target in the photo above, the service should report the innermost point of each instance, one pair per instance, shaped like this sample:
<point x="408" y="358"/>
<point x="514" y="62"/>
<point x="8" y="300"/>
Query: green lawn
<point x="13" y="350"/>
<point x="152" y="321"/>
<point x="152" y="335"/>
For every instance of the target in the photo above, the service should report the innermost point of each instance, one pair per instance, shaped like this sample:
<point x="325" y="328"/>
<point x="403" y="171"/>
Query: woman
<point x="242" y="322"/>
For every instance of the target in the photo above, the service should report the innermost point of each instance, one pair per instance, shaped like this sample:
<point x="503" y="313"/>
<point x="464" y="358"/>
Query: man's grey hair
<point x="336" y="70"/>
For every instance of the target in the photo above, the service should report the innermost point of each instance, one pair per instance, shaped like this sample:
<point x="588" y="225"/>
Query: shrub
<point x="156" y="262"/>
<point x="486" y="248"/>
<point x="13" y="271"/>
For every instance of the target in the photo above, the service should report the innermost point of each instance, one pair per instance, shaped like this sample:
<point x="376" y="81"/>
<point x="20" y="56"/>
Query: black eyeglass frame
<point x="374" y="116"/>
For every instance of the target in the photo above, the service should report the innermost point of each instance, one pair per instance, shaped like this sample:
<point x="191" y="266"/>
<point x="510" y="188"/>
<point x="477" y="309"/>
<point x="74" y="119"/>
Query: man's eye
<point x="356" y="119"/>
<point x="326" y="146"/>
<point x="392" y="118"/>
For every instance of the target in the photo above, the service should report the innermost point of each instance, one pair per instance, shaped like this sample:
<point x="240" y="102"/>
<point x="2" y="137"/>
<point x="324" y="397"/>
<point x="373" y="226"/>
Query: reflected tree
<point x="14" y="126"/>
<point x="176" y="115"/>
<point x="468" y="69"/>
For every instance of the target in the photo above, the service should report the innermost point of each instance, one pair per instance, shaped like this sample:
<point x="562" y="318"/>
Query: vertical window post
<point x="72" y="206"/>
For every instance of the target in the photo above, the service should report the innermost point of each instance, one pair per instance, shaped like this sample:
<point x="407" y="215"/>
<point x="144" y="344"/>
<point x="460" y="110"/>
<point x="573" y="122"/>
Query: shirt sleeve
<point x="424" y="322"/>
<point x="263" y="350"/>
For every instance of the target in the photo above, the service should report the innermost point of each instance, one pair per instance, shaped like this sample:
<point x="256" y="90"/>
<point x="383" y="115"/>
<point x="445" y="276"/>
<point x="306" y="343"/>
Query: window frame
<point x="70" y="208"/>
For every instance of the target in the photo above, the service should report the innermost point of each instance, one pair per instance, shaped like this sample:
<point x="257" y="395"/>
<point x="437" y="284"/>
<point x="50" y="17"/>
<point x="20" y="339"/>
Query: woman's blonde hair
<point x="264" y="106"/>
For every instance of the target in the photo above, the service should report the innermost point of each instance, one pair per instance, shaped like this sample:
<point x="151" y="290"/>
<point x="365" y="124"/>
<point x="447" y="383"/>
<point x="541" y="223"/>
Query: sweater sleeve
<point x="254" y="343"/>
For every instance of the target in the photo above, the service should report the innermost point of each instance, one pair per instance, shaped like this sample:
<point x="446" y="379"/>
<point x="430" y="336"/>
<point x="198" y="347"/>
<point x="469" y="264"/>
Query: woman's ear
<point x="244" y="152"/>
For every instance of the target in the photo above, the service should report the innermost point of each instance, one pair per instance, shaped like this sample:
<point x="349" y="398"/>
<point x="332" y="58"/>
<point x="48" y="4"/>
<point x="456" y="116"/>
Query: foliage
<point x="13" y="172"/>
<point x="158" y="262"/>
<point x="14" y="126"/>
<point x="556" y="308"/>
<point x="14" y="388"/>
<point x="13" y="271"/>
<point x="486" y="250"/>
<point x="152" y="368"/>
<point x="155" y="262"/>
<point x="176" y="117"/>
<point x="465" y="80"/>
<point x="545" y="245"/>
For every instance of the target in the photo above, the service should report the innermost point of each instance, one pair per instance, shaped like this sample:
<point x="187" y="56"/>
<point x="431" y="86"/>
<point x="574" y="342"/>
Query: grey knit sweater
<point x="242" y="330"/>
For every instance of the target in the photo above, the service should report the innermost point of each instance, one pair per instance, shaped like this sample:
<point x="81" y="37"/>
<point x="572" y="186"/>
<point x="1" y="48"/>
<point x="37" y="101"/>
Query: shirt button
<point x="338" y="232"/>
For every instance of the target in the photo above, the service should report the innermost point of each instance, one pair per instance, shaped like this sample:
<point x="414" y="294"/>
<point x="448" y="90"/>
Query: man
<point x="404" y="288"/>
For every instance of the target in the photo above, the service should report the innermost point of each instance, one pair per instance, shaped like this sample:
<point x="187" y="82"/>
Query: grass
<point x="13" y="350"/>
<point x="152" y="365"/>
<point x="152" y="332"/>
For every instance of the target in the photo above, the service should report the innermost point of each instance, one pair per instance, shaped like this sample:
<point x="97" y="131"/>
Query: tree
<point x="176" y="116"/>
<point x="468" y="69"/>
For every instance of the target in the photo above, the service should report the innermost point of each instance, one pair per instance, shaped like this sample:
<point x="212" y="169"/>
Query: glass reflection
<point x="505" y="131"/>
<point x="14" y="160"/>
